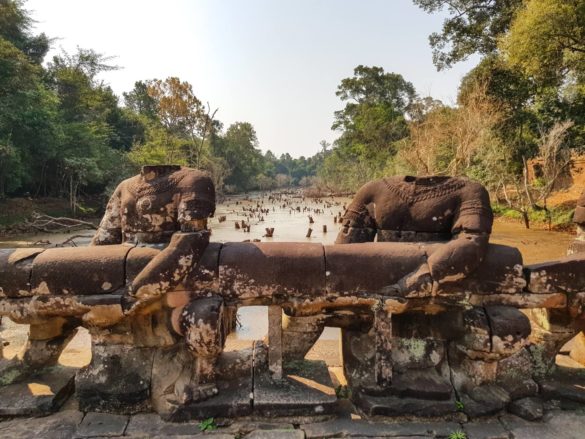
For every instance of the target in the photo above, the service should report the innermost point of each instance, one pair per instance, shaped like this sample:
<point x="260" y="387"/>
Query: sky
<point x="273" y="63"/>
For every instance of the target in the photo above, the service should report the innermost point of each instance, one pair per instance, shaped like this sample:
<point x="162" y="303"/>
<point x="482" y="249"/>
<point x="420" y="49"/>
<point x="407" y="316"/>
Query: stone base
<point x="565" y="386"/>
<point x="117" y="380"/>
<point x="416" y="392"/>
<point x="421" y="383"/>
<point x="246" y="388"/>
<point x="484" y="400"/>
<point x="38" y="394"/>
<point x="233" y="400"/>
<point x="400" y="406"/>
<point x="235" y="372"/>
<point x="305" y="390"/>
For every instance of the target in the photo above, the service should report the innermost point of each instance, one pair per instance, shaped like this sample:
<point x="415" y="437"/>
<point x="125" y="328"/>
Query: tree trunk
<point x="525" y="175"/>
<point x="526" y="219"/>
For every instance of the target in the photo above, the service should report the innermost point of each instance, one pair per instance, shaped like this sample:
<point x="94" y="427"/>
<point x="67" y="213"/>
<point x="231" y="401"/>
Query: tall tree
<point x="376" y="105"/>
<point x="373" y="120"/>
<point x="473" y="26"/>
<point x="547" y="40"/>
<point x="140" y="101"/>
<point x="182" y="114"/>
<point x="88" y="119"/>
<point x="240" y="151"/>
<point x="15" y="26"/>
<point x="27" y="119"/>
<point x="27" y="108"/>
<point x="513" y="94"/>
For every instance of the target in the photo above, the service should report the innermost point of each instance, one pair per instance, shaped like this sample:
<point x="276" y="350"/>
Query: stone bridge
<point x="476" y="344"/>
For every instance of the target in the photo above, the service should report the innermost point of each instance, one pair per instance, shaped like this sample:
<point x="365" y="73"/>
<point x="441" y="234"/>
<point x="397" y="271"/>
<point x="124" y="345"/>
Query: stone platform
<point x="39" y="394"/>
<point x="248" y="389"/>
<point x="305" y="389"/>
<point x="72" y="423"/>
<point x="563" y="417"/>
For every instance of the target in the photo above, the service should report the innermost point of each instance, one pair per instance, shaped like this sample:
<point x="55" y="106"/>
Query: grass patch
<point x="561" y="217"/>
<point x="207" y="425"/>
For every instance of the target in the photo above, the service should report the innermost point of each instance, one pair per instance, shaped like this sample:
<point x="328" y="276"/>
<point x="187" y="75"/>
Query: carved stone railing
<point x="478" y="343"/>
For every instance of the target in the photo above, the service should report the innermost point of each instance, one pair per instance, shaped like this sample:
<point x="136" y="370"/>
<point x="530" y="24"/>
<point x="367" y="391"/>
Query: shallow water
<point x="290" y="225"/>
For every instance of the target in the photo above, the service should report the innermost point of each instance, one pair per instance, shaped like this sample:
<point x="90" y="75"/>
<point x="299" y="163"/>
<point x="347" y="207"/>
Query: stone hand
<point x="166" y="271"/>
<point x="418" y="283"/>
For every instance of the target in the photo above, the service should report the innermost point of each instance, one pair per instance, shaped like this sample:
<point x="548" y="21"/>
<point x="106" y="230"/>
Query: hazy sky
<point x="273" y="63"/>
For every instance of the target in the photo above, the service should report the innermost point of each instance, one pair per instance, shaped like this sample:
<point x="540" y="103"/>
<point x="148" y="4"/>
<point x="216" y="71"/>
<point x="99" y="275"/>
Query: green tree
<point x="159" y="147"/>
<point x="547" y="40"/>
<point x="371" y="123"/>
<point x="91" y="128"/>
<point x="371" y="86"/>
<point x="15" y="26"/>
<point x="473" y="26"/>
<point x="374" y="114"/>
<point x="140" y="101"/>
<point x="240" y="151"/>
<point x="27" y="119"/>
<point x="27" y="108"/>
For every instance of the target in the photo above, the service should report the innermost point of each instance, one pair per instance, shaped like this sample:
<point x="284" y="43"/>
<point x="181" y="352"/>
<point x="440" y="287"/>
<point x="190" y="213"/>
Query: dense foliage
<point x="524" y="100"/>
<point x="64" y="132"/>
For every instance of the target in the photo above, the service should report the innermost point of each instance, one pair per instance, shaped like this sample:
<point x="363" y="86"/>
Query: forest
<point x="64" y="133"/>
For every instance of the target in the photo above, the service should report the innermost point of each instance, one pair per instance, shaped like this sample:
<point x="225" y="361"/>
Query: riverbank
<point x="16" y="214"/>
<point x="558" y="218"/>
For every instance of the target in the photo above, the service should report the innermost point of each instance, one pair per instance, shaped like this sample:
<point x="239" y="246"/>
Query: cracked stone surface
<point x="492" y="429"/>
<point x="356" y="428"/>
<point x="276" y="434"/>
<point x="39" y="394"/>
<point x="102" y="425"/>
<point x="59" y="425"/>
<point x="70" y="423"/>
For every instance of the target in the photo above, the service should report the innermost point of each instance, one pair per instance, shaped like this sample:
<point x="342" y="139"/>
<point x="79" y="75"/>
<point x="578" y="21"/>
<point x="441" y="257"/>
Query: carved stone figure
<point x="452" y="210"/>
<point x="167" y="207"/>
<point x="442" y="226"/>
<point x="424" y="209"/>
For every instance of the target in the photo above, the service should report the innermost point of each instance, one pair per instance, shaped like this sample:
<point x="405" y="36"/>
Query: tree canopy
<point x="473" y="26"/>
<point x="65" y="133"/>
<point x="547" y="40"/>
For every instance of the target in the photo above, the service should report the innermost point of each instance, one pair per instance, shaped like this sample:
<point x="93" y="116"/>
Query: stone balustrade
<point x="480" y="342"/>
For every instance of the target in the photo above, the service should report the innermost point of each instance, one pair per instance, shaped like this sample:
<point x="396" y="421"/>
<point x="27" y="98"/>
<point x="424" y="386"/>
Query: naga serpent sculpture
<point x="152" y="283"/>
